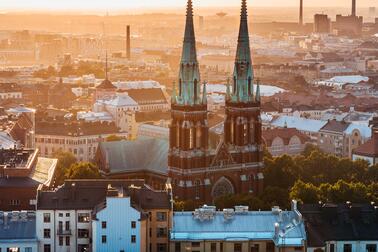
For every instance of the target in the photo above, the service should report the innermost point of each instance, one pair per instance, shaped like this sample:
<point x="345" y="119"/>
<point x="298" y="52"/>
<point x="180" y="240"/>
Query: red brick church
<point x="235" y="166"/>
<point x="187" y="162"/>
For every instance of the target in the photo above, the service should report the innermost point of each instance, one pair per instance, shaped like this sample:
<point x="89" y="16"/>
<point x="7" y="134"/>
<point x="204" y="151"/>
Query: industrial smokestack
<point x="128" y="50"/>
<point x="353" y="8"/>
<point x="301" y="12"/>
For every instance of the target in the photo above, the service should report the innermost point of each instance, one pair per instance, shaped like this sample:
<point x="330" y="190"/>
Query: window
<point x="13" y="249"/>
<point x="213" y="247"/>
<point x="133" y="224"/>
<point x="133" y="239"/>
<point x="47" y="248"/>
<point x="60" y="240"/>
<point x="46" y="218"/>
<point x="67" y="225"/>
<point x="82" y="248"/>
<point x="67" y="241"/>
<point x="161" y="216"/>
<point x="83" y="217"/>
<point x="103" y="224"/>
<point x="103" y="239"/>
<point x="332" y="248"/>
<point x="270" y="247"/>
<point x="371" y="247"/>
<point x="347" y="247"/>
<point x="161" y="232"/>
<point x="46" y="233"/>
<point x="177" y="247"/>
<point x="83" y="233"/>
<point x="161" y="247"/>
<point x="221" y="246"/>
<point x="255" y="248"/>
<point x="196" y="244"/>
<point x="67" y="214"/>
<point x="28" y="249"/>
<point x="237" y="247"/>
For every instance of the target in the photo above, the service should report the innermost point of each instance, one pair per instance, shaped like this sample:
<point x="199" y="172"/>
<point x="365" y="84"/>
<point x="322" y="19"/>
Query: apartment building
<point x="238" y="230"/>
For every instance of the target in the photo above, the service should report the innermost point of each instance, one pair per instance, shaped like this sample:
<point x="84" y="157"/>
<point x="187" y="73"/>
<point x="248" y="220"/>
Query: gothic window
<point x="191" y="138"/>
<point x="198" y="135"/>
<point x="195" y="90"/>
<point x="234" y="86"/>
<point x="252" y="131"/>
<point x="249" y="86"/>
<point x="178" y="134"/>
<point x="197" y="188"/>
<point x="222" y="187"/>
<point x="180" y="87"/>
<point x="251" y="180"/>
<point x="245" y="132"/>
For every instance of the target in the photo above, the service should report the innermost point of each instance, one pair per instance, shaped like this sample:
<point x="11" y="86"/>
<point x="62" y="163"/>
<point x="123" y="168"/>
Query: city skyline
<point x="117" y="5"/>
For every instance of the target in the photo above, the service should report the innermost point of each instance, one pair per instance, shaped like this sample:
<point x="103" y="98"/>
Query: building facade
<point x="195" y="170"/>
<point x="238" y="230"/>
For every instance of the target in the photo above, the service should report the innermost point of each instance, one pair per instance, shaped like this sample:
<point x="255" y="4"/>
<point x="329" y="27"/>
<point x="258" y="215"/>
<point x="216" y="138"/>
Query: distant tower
<point x="301" y="12"/>
<point x="353" y="8"/>
<point x="128" y="43"/>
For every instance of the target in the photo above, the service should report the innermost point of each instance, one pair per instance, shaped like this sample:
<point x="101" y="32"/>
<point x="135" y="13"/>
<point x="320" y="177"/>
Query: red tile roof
<point x="285" y="133"/>
<point x="370" y="148"/>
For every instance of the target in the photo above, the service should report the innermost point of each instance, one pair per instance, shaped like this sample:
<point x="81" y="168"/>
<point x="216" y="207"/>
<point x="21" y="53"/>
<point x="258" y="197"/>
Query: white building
<point x="338" y="82"/>
<point x="116" y="225"/>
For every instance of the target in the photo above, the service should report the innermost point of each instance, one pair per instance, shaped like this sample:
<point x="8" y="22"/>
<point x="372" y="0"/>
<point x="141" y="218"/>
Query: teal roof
<point x="142" y="154"/>
<point x="243" y="72"/>
<point x="189" y="74"/>
<point x="254" y="225"/>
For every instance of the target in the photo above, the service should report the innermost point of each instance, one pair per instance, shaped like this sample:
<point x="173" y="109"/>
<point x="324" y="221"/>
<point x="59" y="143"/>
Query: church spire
<point x="243" y="73"/>
<point x="189" y="76"/>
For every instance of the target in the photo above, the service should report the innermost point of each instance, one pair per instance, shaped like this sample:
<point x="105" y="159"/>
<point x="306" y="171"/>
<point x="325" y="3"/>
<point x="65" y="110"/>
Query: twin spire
<point x="189" y="76"/>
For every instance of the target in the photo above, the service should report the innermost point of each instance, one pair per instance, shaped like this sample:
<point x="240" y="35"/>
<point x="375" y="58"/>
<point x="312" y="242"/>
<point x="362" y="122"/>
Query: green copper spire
<point x="243" y="73"/>
<point x="189" y="75"/>
<point x="174" y="94"/>
<point x="204" y="94"/>
<point x="228" y="92"/>
<point x="258" y="98"/>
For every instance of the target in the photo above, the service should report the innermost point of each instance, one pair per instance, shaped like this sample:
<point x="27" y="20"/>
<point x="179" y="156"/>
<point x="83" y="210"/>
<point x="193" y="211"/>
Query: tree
<point x="83" y="170"/>
<point x="304" y="192"/>
<point x="65" y="160"/>
<point x="309" y="148"/>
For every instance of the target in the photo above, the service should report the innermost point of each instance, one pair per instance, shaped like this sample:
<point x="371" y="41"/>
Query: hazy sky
<point x="117" y="5"/>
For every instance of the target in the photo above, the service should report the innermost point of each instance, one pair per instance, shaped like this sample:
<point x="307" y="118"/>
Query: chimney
<point x="353" y="8"/>
<point x="128" y="50"/>
<point x="301" y="12"/>
<point x="276" y="230"/>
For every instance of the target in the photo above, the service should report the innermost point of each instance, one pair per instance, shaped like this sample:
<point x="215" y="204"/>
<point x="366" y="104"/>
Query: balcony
<point x="64" y="232"/>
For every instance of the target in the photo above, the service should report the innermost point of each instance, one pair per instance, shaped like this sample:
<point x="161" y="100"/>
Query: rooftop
<point x="17" y="225"/>
<point x="232" y="225"/>
<point x="80" y="194"/>
<point x="342" y="222"/>
<point x="285" y="133"/>
<point x="301" y="124"/>
<point x="336" y="126"/>
<point x="128" y="156"/>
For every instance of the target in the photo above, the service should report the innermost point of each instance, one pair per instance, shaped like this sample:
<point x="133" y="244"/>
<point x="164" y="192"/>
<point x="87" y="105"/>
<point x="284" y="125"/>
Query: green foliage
<point x="83" y="68"/>
<point x="45" y="73"/>
<point x="83" y="170"/>
<point x="65" y="160"/>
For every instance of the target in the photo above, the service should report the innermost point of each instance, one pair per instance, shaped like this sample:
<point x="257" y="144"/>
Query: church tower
<point x="197" y="172"/>
<point x="188" y="147"/>
<point x="242" y="127"/>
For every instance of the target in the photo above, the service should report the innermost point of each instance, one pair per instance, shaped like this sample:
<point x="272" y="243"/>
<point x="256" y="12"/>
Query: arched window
<point x="249" y="86"/>
<point x="197" y="188"/>
<point x="195" y="90"/>
<point x="252" y="130"/>
<point x="222" y="187"/>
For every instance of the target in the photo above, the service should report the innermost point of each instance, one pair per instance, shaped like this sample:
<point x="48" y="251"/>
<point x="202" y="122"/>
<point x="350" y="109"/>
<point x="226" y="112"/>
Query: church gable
<point x="222" y="156"/>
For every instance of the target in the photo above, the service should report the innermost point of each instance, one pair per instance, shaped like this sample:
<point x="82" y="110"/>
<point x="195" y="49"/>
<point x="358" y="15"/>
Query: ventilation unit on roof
<point x="276" y="210"/>
<point x="241" y="209"/>
<point x="205" y="213"/>
<point x="228" y="213"/>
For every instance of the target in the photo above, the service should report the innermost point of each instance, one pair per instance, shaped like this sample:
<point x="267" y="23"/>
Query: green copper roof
<point x="189" y="75"/>
<point x="243" y="73"/>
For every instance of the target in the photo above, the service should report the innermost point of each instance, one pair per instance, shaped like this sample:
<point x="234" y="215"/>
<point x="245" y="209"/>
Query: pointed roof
<point x="106" y="84"/>
<point x="189" y="75"/>
<point x="243" y="50"/>
<point x="189" y="53"/>
<point x="243" y="73"/>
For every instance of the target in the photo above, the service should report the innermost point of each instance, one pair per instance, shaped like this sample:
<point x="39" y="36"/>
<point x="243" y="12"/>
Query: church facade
<point x="195" y="170"/>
